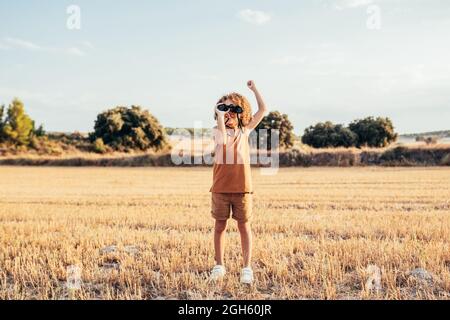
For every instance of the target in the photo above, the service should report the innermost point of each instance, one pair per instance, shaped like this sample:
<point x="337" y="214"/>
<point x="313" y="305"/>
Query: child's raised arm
<point x="262" y="109"/>
<point x="221" y="129"/>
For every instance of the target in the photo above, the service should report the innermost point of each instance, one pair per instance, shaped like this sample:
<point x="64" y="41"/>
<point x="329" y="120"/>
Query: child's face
<point x="231" y="119"/>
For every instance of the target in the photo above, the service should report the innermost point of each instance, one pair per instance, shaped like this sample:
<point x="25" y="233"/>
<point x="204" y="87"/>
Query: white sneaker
<point x="247" y="275"/>
<point x="218" y="272"/>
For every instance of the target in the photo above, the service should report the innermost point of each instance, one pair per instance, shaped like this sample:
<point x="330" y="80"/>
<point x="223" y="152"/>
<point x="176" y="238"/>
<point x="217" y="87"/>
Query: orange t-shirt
<point x="232" y="171"/>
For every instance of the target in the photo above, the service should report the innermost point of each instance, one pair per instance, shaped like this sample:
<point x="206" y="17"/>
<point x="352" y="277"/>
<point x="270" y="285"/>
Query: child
<point x="232" y="183"/>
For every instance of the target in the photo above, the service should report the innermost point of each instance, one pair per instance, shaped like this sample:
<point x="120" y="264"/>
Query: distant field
<point x="316" y="232"/>
<point x="412" y="141"/>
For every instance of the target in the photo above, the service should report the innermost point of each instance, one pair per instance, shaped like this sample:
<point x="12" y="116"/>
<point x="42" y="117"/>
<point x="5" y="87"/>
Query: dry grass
<point x="316" y="231"/>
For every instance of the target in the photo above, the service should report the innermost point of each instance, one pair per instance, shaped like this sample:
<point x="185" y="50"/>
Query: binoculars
<point x="231" y="108"/>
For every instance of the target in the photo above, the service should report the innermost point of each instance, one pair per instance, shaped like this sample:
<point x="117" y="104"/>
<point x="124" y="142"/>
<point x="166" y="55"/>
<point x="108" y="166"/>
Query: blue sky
<point x="314" y="60"/>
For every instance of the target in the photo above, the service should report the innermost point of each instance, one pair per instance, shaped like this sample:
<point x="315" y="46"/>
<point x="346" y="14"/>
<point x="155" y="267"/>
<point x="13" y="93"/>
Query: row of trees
<point x="371" y="132"/>
<point x="120" y="129"/>
<point x="134" y="128"/>
<point x="126" y="129"/>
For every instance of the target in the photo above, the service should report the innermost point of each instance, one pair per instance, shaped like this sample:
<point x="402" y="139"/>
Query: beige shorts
<point x="240" y="204"/>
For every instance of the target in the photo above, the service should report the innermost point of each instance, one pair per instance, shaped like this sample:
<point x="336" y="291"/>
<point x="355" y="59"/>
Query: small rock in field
<point x="373" y="282"/>
<point x="110" y="266"/>
<point x="421" y="274"/>
<point x="131" y="249"/>
<point x="108" y="249"/>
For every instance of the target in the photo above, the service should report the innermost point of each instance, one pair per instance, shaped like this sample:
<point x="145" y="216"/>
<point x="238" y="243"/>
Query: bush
<point x="125" y="129"/>
<point x="39" y="132"/>
<point x="369" y="132"/>
<point x="431" y="140"/>
<point x="18" y="127"/>
<point x="428" y="140"/>
<point x="373" y="132"/>
<point x="169" y="131"/>
<point x="35" y="143"/>
<point x="325" y="135"/>
<point x="277" y="121"/>
<point x="99" y="146"/>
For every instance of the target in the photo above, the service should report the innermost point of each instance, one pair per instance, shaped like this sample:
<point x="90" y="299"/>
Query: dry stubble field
<point x="316" y="232"/>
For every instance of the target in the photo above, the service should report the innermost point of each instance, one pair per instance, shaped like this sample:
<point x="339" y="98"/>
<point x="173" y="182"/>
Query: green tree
<point x="125" y="129"/>
<point x="39" y="132"/>
<point x="374" y="132"/>
<point x="18" y="126"/>
<point x="277" y="121"/>
<point x="328" y="134"/>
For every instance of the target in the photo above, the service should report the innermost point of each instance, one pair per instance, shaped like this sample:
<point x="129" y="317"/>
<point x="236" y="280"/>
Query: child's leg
<point x="242" y="213"/>
<point x="219" y="240"/>
<point x="246" y="242"/>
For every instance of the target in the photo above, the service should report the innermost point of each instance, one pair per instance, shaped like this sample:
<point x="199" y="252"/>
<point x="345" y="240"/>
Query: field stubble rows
<point x="316" y="232"/>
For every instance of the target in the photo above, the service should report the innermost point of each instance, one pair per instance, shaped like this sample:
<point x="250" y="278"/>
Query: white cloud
<point x="254" y="17"/>
<point x="30" y="46"/>
<point x="348" y="4"/>
<point x="19" y="43"/>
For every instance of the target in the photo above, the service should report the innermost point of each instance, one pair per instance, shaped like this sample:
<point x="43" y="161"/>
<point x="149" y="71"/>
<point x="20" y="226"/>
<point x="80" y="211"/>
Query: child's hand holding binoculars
<point x="219" y="112"/>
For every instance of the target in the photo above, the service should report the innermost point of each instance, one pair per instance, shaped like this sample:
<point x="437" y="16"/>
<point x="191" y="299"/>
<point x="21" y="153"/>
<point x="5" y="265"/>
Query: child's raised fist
<point x="251" y="85"/>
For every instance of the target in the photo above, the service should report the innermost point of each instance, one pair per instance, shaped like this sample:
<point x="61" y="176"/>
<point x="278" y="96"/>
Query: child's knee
<point x="221" y="226"/>
<point x="243" y="226"/>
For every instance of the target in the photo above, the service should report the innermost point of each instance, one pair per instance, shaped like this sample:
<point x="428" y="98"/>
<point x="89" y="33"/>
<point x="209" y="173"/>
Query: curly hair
<point x="241" y="101"/>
